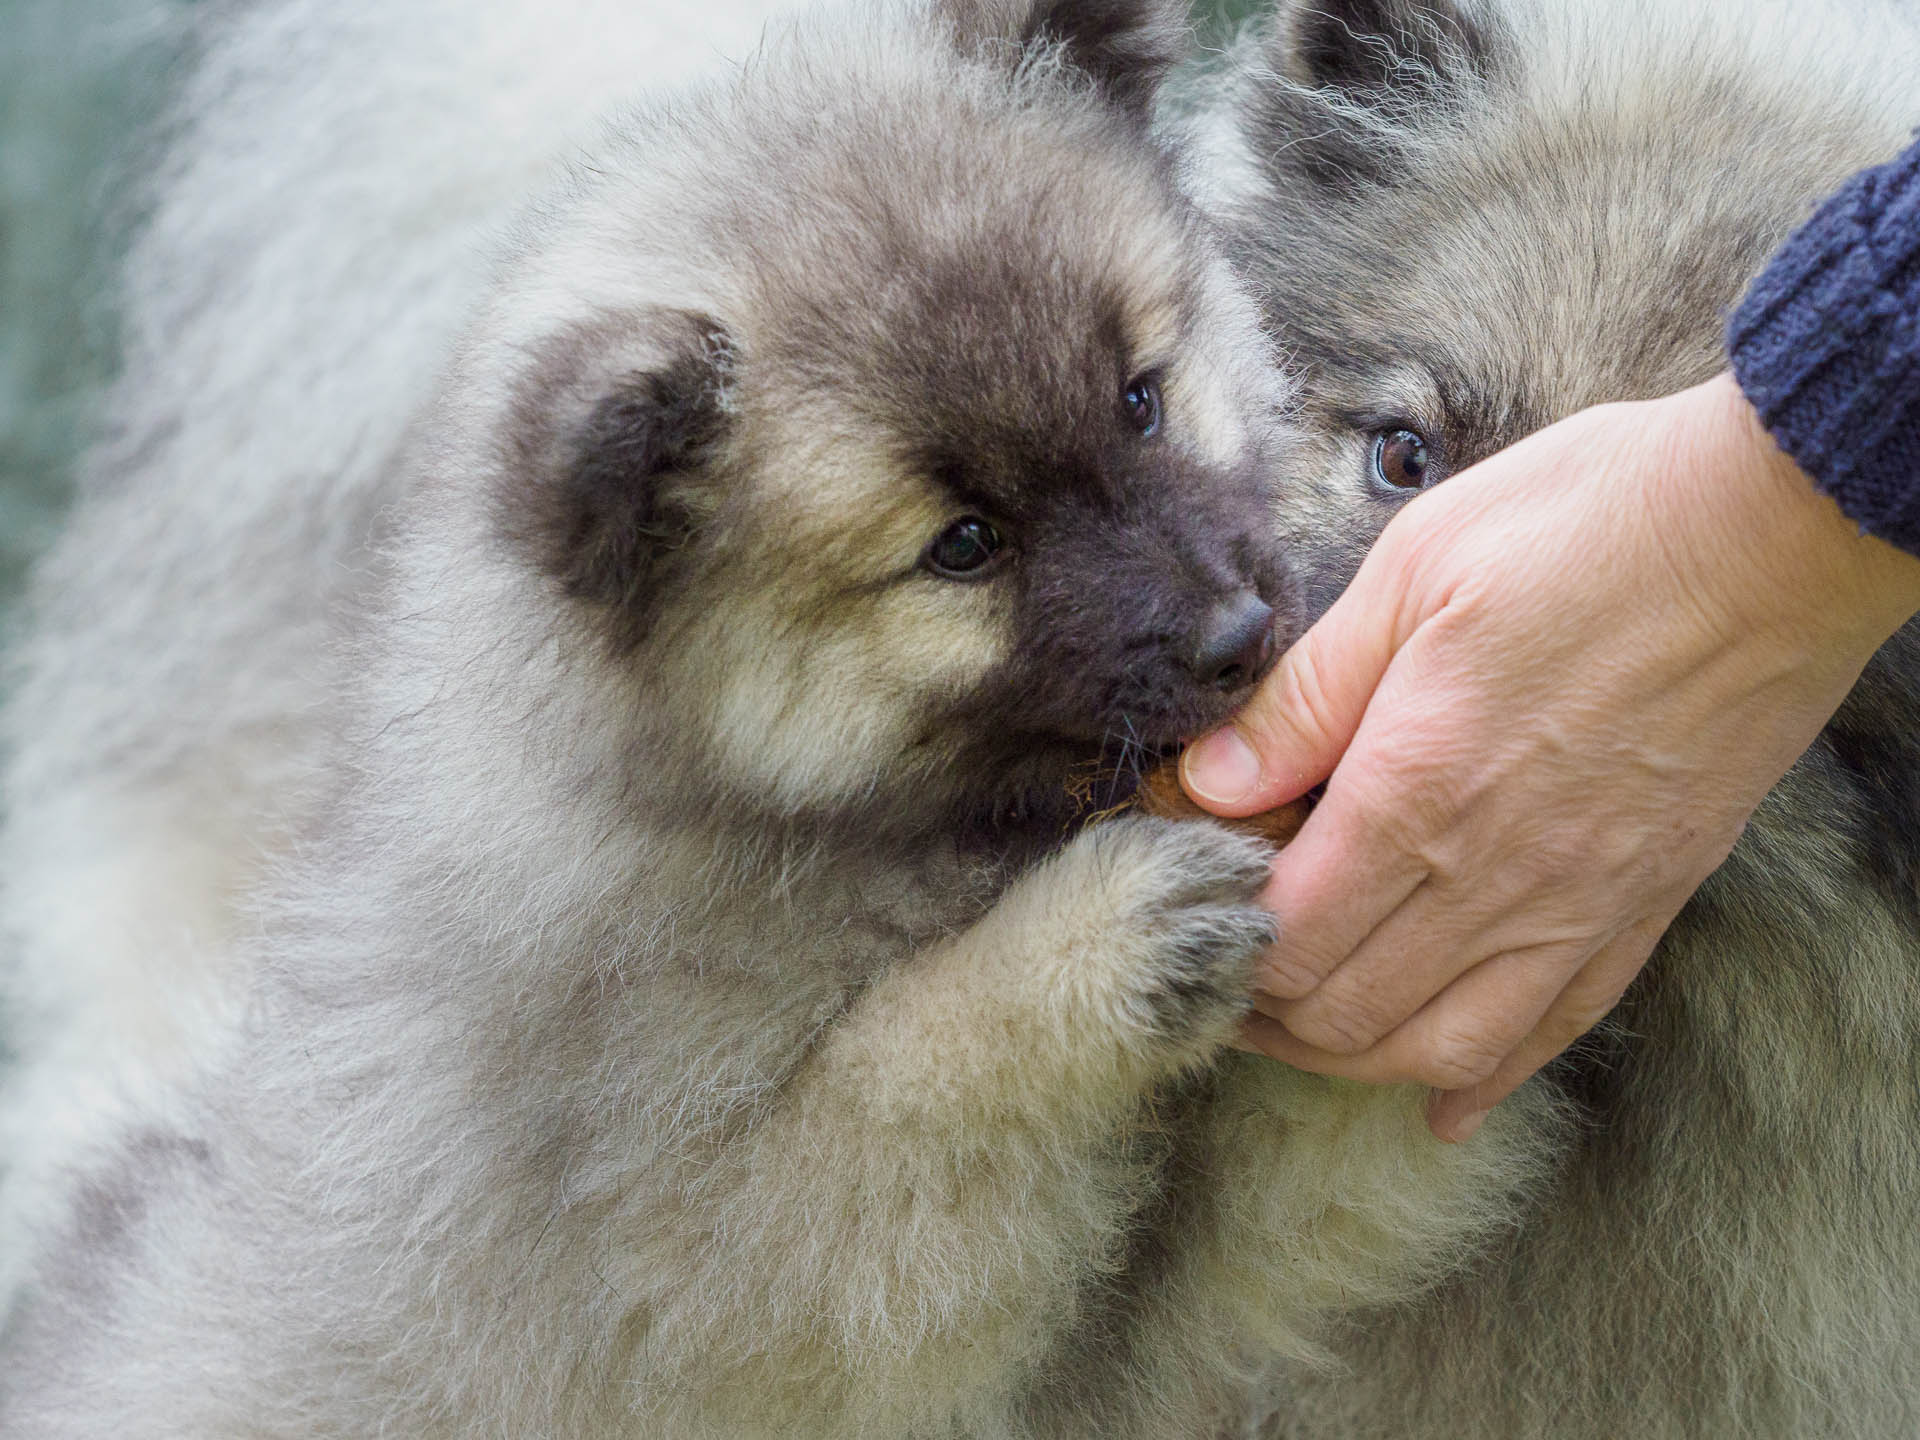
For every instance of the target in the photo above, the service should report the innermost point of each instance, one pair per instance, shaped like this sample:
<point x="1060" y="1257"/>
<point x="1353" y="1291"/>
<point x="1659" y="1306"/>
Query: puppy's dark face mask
<point x="1143" y="596"/>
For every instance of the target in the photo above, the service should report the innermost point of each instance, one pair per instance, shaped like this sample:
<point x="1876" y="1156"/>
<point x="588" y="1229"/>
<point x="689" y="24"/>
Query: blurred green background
<point x="75" y="77"/>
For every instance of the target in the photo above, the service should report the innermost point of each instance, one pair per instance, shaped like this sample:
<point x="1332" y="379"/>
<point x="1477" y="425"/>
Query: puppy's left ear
<point x="616" y="477"/>
<point x="1126" y="47"/>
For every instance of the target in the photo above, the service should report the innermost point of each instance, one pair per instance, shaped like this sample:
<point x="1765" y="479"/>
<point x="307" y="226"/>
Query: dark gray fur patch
<point x="1875" y="744"/>
<point x="1125" y="47"/>
<point x="1396" y="58"/>
<point x="1373" y="49"/>
<point x="601" y="501"/>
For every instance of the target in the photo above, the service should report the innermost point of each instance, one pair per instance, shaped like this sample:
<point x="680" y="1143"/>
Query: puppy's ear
<point x="1360" y="77"/>
<point x="1126" y="47"/>
<point x="618" y="486"/>
<point x="1377" y="52"/>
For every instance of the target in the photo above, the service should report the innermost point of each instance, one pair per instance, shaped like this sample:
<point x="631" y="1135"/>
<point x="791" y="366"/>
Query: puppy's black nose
<point x="1235" y="646"/>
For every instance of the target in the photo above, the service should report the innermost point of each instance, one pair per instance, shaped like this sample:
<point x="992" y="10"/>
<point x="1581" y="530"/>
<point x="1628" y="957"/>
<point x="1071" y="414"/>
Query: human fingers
<point x="1455" y="1114"/>
<point x="1289" y="736"/>
<point x="1439" y="936"/>
<point x="1457" y="1040"/>
<point x="1331" y="887"/>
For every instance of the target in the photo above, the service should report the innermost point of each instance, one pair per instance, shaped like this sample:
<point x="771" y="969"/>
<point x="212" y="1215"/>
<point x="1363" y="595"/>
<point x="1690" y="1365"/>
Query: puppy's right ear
<point x="616" y="482"/>
<point x="1126" y="47"/>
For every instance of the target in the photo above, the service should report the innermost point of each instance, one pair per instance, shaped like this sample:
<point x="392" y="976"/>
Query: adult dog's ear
<point x="628" y="419"/>
<point x="1126" y="47"/>
<point x="1377" y="52"/>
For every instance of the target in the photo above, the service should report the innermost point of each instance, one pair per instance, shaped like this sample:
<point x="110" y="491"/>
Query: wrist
<point x="1797" y="564"/>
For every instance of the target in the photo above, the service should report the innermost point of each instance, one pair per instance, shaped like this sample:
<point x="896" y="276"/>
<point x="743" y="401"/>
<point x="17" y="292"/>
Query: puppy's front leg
<point x="916" y="1217"/>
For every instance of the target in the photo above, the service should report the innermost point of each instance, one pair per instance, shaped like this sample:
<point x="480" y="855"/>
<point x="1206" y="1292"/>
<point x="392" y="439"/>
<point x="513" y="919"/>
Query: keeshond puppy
<point x="697" y="1003"/>
<point x="1472" y="219"/>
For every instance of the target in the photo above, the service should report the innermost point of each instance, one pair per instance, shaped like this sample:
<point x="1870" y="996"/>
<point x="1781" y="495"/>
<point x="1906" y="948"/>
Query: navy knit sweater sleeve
<point x="1826" y="346"/>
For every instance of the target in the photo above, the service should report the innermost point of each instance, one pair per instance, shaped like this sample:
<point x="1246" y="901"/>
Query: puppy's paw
<point x="1163" y="930"/>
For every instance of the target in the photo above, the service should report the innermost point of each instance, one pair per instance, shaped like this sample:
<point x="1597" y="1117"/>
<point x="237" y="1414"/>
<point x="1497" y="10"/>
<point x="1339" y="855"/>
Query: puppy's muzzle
<point x="1235" y="644"/>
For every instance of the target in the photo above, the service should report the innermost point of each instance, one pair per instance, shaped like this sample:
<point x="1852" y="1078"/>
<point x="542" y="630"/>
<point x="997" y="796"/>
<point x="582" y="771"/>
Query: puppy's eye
<point x="964" y="549"/>
<point x="1401" y="460"/>
<point x="1141" y="403"/>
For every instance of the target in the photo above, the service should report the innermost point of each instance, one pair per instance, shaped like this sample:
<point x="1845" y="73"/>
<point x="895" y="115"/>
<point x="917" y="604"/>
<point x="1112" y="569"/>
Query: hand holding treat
<point x="1548" y="703"/>
<point x="1160" y="794"/>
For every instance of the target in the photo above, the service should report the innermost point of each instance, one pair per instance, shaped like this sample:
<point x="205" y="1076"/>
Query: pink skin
<point x="1544" y="709"/>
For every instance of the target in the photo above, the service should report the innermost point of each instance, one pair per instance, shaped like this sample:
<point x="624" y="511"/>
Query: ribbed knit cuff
<point x="1826" y="346"/>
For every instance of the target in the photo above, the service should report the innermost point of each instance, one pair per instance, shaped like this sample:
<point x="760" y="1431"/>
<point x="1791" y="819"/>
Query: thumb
<point x="1299" y="722"/>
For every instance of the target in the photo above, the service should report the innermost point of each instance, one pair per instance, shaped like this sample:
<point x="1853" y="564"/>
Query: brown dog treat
<point x="1160" y="794"/>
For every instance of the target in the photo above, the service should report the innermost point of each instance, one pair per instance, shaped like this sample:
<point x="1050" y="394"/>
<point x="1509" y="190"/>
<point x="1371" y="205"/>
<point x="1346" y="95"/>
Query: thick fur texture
<point x="1469" y="222"/>
<point x="691" y="1004"/>
<point x="316" y="231"/>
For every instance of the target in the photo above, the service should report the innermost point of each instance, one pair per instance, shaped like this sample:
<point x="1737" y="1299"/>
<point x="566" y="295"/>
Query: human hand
<point x="1544" y="708"/>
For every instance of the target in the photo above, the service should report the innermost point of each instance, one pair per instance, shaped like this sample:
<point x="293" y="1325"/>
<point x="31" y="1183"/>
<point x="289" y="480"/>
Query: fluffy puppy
<point x="1473" y="219"/>
<point x="692" y="1008"/>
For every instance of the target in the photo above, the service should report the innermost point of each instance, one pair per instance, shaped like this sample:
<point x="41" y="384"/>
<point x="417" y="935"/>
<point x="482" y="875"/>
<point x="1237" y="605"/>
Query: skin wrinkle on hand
<point x="1555" y="692"/>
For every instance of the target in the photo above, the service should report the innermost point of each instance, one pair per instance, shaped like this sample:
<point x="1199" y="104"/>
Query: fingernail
<point x="1464" y="1128"/>
<point x="1221" y="767"/>
<point x="1266" y="1000"/>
